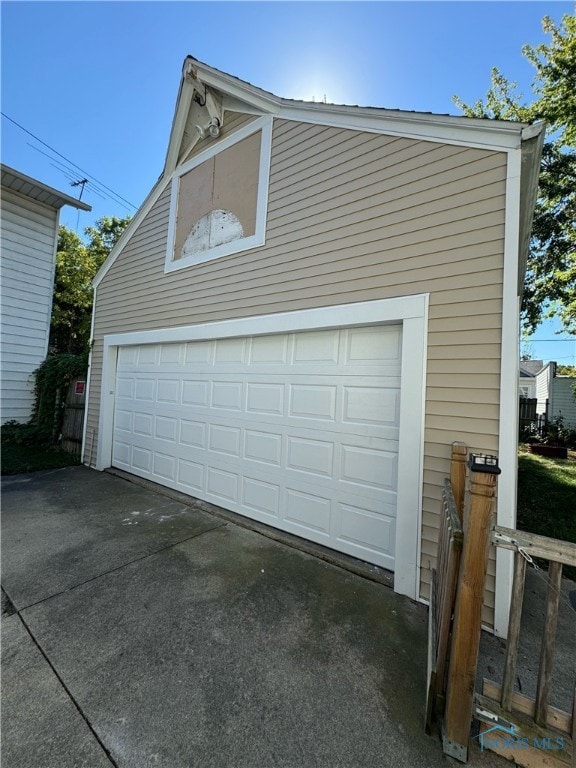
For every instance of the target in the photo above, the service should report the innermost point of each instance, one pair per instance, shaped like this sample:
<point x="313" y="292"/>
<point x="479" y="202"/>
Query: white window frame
<point x="263" y="125"/>
<point x="410" y="311"/>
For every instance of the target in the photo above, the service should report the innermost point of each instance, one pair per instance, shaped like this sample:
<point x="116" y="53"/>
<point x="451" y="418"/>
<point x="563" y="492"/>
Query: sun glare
<point x="319" y="85"/>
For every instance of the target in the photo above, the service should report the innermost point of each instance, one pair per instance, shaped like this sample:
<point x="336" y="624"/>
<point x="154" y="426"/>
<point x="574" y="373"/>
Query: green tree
<point x="77" y="262"/>
<point x="550" y="286"/>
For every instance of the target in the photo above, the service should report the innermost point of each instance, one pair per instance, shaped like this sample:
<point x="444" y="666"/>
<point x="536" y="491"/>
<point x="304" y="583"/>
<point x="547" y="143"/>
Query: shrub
<point x="14" y="433"/>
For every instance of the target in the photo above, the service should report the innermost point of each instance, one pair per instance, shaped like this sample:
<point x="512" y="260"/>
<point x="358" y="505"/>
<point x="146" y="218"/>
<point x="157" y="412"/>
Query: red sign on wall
<point x="79" y="387"/>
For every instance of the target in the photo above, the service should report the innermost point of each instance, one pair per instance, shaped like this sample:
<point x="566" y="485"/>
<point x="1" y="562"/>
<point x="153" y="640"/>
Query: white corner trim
<point x="262" y="124"/>
<point x="508" y="438"/>
<point x="411" y="311"/>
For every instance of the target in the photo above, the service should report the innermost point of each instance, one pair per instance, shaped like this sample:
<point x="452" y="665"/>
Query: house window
<point x="219" y="198"/>
<point x="524" y="392"/>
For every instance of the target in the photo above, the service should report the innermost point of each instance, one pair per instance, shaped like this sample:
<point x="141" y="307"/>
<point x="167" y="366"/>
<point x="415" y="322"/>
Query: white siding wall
<point x="543" y="379"/>
<point x="562" y="400"/>
<point x="28" y="245"/>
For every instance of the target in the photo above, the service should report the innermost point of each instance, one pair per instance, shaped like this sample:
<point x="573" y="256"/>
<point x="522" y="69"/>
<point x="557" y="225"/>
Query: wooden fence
<point x="457" y="597"/>
<point x="73" y="417"/>
<point x="531" y="720"/>
<point x="442" y="597"/>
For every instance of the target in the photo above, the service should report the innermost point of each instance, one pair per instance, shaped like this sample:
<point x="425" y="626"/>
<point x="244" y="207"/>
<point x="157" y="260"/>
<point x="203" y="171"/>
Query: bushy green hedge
<point x="14" y="433"/>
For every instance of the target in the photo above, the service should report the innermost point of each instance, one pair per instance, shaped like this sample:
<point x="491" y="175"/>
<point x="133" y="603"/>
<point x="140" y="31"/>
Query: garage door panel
<point x="168" y="391"/>
<point x="268" y="349"/>
<point x="314" y="457"/>
<point x="296" y="430"/>
<point x="144" y="390"/>
<point x="166" y="428"/>
<point x="148" y="354"/>
<point x="263" y="446"/>
<point x="193" y="433"/>
<point x="195" y="393"/>
<point x="369" y="467"/>
<point x="371" y="405"/>
<point x="356" y="526"/>
<point x="164" y="466"/>
<point x="261" y="496"/>
<point x="264" y="421"/>
<point x="122" y="455"/>
<point x="143" y="424"/>
<point x="124" y="420"/>
<point x="191" y="474"/>
<point x="307" y="514"/>
<point x="224" y="440"/>
<point x="265" y="398"/>
<point x="171" y="355"/>
<point x="376" y="345"/>
<point x="226" y="395"/>
<point x="142" y="458"/>
<point x="222" y="484"/>
<point x="312" y="401"/>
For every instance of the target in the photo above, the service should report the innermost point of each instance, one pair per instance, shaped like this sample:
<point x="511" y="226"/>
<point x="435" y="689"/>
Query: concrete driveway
<point x="141" y="631"/>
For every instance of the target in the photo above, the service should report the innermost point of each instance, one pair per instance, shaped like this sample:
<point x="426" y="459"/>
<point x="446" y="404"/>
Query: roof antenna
<point x="82" y="183"/>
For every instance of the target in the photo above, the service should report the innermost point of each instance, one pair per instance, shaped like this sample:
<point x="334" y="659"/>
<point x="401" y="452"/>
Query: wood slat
<point x="513" y="630"/>
<point x="548" y="642"/>
<point x="534" y="545"/>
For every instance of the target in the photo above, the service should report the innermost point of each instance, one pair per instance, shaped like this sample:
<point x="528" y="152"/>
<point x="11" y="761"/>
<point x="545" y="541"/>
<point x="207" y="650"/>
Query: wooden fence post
<point x="468" y="610"/>
<point x="458" y="476"/>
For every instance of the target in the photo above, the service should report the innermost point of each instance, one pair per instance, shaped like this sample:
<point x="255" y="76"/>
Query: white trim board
<point x="411" y="311"/>
<point x="494" y="134"/>
<point x="509" y="372"/>
<point x="410" y="127"/>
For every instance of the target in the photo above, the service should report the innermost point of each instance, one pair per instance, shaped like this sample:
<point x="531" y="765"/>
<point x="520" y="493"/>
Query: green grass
<point x="30" y="458"/>
<point x="547" y="498"/>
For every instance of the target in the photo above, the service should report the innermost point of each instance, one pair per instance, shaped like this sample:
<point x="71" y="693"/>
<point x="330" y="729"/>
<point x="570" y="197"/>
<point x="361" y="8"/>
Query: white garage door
<point x="296" y="430"/>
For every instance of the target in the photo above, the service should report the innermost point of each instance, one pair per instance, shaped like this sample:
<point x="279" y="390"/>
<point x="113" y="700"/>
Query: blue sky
<point x="97" y="81"/>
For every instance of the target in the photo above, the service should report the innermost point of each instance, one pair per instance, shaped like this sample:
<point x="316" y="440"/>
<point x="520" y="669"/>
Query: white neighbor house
<point x="30" y="213"/>
<point x="555" y="395"/>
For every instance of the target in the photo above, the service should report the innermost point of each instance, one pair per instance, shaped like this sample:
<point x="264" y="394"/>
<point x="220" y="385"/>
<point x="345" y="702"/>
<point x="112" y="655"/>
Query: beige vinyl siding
<point x="353" y="217"/>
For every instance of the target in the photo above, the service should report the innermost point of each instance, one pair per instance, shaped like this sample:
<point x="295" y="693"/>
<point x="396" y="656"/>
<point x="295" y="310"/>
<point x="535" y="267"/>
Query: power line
<point x="94" y="188"/>
<point x="67" y="160"/>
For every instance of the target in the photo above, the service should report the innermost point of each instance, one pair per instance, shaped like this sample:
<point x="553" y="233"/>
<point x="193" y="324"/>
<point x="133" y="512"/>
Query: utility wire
<point x="67" y="160"/>
<point x="63" y="168"/>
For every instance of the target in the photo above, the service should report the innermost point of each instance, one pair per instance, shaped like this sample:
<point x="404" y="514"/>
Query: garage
<point x="298" y="430"/>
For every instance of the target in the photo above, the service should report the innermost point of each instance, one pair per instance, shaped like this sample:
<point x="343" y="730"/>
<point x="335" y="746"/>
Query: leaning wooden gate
<point x="454" y="629"/>
<point x="549" y="733"/>
<point x="444" y="583"/>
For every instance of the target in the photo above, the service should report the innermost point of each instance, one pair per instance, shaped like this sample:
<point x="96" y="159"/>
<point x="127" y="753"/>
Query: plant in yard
<point x="51" y="381"/>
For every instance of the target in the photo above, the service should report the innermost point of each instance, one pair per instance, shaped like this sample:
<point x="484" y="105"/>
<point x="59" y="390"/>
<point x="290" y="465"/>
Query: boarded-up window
<point x="219" y="205"/>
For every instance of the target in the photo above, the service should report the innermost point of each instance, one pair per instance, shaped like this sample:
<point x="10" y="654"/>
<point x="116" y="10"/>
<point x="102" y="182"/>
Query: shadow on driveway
<point x="147" y="632"/>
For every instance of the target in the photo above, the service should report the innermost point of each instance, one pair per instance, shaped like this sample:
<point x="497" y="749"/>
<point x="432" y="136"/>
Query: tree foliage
<point x="550" y="287"/>
<point x="77" y="262"/>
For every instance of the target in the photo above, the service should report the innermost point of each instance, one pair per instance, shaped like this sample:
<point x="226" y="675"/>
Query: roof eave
<point x="40" y="192"/>
<point x="532" y="142"/>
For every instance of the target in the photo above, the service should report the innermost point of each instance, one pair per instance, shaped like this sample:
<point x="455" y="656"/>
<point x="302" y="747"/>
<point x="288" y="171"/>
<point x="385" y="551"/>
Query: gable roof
<point x="36" y="190"/>
<point x="206" y="93"/>
<point x="530" y="367"/>
<point x="200" y="82"/>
